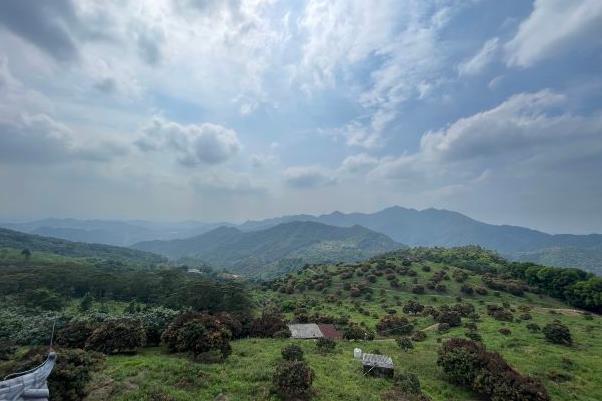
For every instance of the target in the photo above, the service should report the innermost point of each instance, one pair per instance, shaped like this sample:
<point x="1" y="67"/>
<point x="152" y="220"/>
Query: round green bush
<point x="325" y="344"/>
<point x="405" y="343"/>
<point x="292" y="352"/>
<point x="557" y="333"/>
<point x="293" y="380"/>
<point x="117" y="336"/>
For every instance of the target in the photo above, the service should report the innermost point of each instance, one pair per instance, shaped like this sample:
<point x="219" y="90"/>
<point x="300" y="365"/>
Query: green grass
<point x="246" y="374"/>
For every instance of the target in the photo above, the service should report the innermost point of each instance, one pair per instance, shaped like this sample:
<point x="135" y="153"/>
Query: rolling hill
<point x="37" y="243"/>
<point x="280" y="248"/>
<point x="434" y="227"/>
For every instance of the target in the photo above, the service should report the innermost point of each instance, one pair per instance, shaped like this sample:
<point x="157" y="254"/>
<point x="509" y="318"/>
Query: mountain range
<point x="428" y="227"/>
<point x="276" y="249"/>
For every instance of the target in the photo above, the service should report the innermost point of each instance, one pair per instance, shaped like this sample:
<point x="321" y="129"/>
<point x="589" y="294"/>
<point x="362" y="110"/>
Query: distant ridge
<point x="279" y="248"/>
<point x="440" y="227"/>
<point x="18" y="240"/>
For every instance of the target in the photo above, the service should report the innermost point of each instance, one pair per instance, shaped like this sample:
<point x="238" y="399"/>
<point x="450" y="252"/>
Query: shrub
<point x="533" y="327"/>
<point x="75" y="333"/>
<point x="464" y="309"/>
<point x="292" y="352"/>
<point x="408" y="383"/>
<point x="405" y="343"/>
<point x="481" y="290"/>
<point x="418" y="289"/>
<point x="451" y="318"/>
<point x="117" y="336"/>
<point x="293" y="380"/>
<point x="499" y="313"/>
<point x="356" y="332"/>
<point x="467" y="289"/>
<point x="419" y="336"/>
<point x="413" y="307"/>
<point x="155" y="322"/>
<point x="505" y="331"/>
<point x="202" y="335"/>
<point x="468" y="363"/>
<point x="325" y="344"/>
<point x="526" y="316"/>
<point x="394" y="325"/>
<point x="441" y="288"/>
<point x="443" y="327"/>
<point x="269" y="323"/>
<point x="473" y="335"/>
<point x="557" y="333"/>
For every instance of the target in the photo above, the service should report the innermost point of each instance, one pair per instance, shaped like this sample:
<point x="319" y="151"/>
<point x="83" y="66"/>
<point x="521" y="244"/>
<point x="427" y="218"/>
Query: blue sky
<point x="227" y="110"/>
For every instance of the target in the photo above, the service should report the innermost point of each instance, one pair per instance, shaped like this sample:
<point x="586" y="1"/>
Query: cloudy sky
<point x="236" y="109"/>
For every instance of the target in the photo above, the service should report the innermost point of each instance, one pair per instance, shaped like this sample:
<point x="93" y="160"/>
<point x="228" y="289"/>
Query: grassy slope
<point x="246" y="374"/>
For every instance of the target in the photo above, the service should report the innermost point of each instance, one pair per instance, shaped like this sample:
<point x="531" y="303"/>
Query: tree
<point x="557" y="333"/>
<point x="26" y="253"/>
<point x="198" y="333"/>
<point x="292" y="352"/>
<point x="413" y="307"/>
<point x="117" y="336"/>
<point x="405" y="343"/>
<point x="86" y="302"/>
<point x="394" y="325"/>
<point x="44" y="298"/>
<point x="293" y="380"/>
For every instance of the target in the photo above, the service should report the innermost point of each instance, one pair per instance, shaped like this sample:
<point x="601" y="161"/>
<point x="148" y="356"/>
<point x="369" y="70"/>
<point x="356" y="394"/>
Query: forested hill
<point x="277" y="249"/>
<point x="435" y="227"/>
<point x="22" y="241"/>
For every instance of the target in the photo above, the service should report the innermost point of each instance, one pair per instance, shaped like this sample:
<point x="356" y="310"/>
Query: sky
<point x="242" y="109"/>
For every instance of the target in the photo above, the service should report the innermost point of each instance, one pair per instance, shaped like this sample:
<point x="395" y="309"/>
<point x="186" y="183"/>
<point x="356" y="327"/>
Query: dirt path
<point x="562" y="311"/>
<point x="431" y="327"/>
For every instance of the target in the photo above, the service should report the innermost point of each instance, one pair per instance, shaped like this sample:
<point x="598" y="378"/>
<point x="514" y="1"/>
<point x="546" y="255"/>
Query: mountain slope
<point x="109" y="232"/>
<point x="19" y="240"/>
<point x="279" y="248"/>
<point x="433" y="227"/>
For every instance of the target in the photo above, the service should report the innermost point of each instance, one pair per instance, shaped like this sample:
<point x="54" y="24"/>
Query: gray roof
<point x="307" y="330"/>
<point x="30" y="385"/>
<point x="378" y="361"/>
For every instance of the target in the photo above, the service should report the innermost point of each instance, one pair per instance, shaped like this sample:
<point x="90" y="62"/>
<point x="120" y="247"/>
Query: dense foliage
<point x="468" y="363"/>
<point x="200" y="334"/>
<point x="557" y="333"/>
<point x="46" y="282"/>
<point x="293" y="380"/>
<point x="117" y="336"/>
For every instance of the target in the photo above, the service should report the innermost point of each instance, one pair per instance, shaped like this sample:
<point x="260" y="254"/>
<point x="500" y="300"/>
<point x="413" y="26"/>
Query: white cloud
<point x="479" y="61"/>
<point x="553" y="27"/>
<point x="403" y="36"/>
<point x="308" y="176"/>
<point x="39" y="139"/>
<point x="193" y="144"/>
<point x="359" y="163"/>
<point x="523" y="130"/>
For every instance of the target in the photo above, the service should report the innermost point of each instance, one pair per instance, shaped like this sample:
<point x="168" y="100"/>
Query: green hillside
<point x="35" y="243"/>
<point x="278" y="249"/>
<point x="403" y="294"/>
<point x="440" y="227"/>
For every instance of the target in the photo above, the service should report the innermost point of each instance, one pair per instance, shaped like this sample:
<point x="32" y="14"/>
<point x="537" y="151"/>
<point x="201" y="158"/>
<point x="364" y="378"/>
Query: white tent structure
<point x="305" y="331"/>
<point x="30" y="385"/>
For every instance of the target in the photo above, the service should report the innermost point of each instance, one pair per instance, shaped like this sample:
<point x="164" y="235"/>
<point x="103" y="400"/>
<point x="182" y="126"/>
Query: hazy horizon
<point x="178" y="110"/>
<point x="238" y="222"/>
